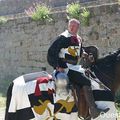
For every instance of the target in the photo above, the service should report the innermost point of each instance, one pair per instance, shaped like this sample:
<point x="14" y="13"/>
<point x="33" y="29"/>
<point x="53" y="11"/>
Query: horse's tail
<point x="9" y="94"/>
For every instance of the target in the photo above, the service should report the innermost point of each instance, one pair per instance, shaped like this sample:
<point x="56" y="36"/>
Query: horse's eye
<point x="90" y="54"/>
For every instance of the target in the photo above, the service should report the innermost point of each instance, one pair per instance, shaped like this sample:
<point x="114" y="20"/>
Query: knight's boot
<point x="94" y="111"/>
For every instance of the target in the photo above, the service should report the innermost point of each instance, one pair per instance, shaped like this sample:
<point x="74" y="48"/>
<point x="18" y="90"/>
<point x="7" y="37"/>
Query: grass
<point x="4" y="84"/>
<point x="2" y="101"/>
<point x="3" y="20"/>
<point x="118" y="110"/>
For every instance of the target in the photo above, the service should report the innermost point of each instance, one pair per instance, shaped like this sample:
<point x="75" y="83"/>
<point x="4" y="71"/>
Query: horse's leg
<point x="74" y="92"/>
<point x="83" y="109"/>
<point x="9" y="94"/>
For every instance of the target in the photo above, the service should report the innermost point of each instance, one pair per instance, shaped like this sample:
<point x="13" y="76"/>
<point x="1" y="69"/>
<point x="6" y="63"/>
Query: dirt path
<point x="2" y="113"/>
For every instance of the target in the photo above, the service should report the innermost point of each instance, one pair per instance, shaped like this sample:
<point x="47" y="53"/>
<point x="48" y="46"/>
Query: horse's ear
<point x="118" y="57"/>
<point x="118" y="54"/>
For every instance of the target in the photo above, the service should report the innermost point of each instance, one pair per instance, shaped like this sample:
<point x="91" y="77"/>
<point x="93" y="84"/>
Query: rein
<point x="98" y="81"/>
<point x="105" y="75"/>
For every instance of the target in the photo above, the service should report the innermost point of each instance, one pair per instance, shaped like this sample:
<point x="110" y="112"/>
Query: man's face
<point x="74" y="28"/>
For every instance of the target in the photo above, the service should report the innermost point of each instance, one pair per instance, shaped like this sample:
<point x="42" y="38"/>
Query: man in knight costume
<point x="65" y="53"/>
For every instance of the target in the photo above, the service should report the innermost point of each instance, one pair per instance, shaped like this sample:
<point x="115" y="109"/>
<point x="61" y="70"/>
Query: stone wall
<point x="24" y="43"/>
<point x="18" y="6"/>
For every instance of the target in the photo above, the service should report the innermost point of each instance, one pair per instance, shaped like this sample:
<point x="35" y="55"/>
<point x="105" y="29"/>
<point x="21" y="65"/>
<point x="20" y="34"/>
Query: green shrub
<point x="117" y="96"/>
<point x="85" y="15"/>
<point x="39" y="12"/>
<point x="2" y="20"/>
<point x="2" y="101"/>
<point x="75" y="11"/>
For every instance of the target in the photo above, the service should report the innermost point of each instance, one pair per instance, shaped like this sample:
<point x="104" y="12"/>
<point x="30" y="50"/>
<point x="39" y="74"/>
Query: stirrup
<point x="81" y="118"/>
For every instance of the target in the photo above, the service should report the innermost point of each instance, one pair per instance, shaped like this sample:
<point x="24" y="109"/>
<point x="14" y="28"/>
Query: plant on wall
<point x="2" y="20"/>
<point x="75" y="11"/>
<point x="39" y="12"/>
<point x="85" y="16"/>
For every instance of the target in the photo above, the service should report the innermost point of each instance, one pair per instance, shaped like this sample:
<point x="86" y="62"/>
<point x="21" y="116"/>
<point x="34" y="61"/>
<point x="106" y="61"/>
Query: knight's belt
<point x="70" y="59"/>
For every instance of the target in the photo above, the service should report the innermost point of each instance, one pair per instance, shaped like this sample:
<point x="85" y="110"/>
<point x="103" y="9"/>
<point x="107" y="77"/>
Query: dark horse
<point x="107" y="70"/>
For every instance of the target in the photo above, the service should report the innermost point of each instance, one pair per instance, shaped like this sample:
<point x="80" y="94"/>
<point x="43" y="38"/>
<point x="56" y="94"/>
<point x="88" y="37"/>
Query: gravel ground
<point x="2" y="113"/>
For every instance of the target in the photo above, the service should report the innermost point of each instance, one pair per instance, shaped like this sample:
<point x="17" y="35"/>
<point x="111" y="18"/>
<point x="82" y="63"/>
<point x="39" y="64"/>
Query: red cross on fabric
<point x="41" y="80"/>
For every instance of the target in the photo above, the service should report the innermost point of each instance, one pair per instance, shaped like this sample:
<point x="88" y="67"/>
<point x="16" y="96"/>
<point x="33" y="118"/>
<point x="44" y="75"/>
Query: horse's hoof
<point x="104" y="111"/>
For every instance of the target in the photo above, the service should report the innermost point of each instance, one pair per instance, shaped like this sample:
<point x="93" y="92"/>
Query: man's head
<point x="73" y="26"/>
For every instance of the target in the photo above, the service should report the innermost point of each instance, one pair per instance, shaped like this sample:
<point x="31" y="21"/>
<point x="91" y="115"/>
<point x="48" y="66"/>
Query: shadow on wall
<point x="5" y="84"/>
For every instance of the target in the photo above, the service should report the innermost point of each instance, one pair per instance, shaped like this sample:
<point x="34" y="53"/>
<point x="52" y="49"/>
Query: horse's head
<point x="92" y="50"/>
<point x="92" y="57"/>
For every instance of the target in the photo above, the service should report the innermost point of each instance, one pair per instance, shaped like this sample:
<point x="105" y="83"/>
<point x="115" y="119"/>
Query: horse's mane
<point x="112" y="57"/>
<point x="104" y="67"/>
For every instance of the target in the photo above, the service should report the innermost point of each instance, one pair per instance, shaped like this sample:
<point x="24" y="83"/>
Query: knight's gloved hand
<point x="60" y="69"/>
